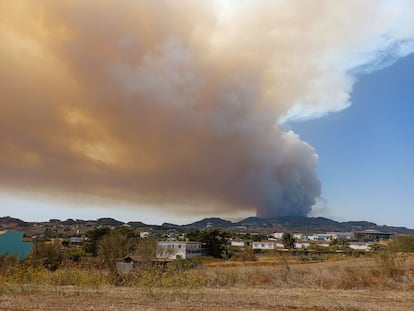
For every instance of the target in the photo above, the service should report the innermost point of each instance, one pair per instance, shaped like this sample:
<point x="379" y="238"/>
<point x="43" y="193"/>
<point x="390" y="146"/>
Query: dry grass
<point x="220" y="299"/>
<point x="383" y="283"/>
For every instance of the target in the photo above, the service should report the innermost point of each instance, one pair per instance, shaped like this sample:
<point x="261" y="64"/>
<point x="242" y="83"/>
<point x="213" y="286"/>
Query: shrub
<point x="312" y="257"/>
<point x="8" y="263"/>
<point x="48" y="255"/>
<point x="390" y="264"/>
<point x="182" y="264"/>
<point x="402" y="244"/>
<point x="244" y="256"/>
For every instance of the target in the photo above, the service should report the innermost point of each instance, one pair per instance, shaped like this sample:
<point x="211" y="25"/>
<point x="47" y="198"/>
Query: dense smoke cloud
<point x="173" y="103"/>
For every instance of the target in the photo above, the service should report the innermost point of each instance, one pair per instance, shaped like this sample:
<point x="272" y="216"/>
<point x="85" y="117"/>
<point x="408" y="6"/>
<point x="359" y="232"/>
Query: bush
<point x="402" y="244"/>
<point x="166" y="277"/>
<point x="48" y="255"/>
<point x="312" y="257"/>
<point x="188" y="263"/>
<point x="390" y="264"/>
<point x="8" y="263"/>
<point x="244" y="256"/>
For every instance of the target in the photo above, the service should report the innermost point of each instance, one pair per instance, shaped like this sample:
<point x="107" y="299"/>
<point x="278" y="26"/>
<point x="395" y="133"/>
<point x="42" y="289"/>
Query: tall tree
<point x="288" y="240"/>
<point x="114" y="246"/>
<point x="214" y="241"/>
<point x="94" y="235"/>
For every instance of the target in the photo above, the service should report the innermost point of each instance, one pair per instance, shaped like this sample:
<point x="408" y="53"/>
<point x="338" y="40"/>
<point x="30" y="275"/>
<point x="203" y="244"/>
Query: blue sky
<point x="366" y="151"/>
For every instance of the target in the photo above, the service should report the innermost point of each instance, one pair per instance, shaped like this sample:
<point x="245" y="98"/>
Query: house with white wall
<point x="341" y="235"/>
<point x="302" y="244"/>
<point x="264" y="245"/>
<point x="359" y="246"/>
<point x="240" y="243"/>
<point x="277" y="235"/>
<point x="144" y="234"/>
<point x="178" y="249"/>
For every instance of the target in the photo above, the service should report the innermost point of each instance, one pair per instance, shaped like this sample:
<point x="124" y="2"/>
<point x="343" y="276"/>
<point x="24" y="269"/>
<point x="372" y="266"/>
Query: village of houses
<point x="173" y="245"/>
<point x="366" y="239"/>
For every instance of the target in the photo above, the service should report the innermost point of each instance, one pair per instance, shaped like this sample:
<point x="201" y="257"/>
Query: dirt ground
<point x="126" y="298"/>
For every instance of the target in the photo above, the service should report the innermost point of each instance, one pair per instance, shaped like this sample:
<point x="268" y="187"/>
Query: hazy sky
<point x="174" y="110"/>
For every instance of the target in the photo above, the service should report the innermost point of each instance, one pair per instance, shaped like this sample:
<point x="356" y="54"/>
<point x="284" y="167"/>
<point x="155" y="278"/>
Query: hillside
<point x="250" y="224"/>
<point x="294" y="223"/>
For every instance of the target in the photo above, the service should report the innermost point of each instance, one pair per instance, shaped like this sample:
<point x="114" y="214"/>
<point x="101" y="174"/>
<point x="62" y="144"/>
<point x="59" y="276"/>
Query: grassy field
<point x="382" y="283"/>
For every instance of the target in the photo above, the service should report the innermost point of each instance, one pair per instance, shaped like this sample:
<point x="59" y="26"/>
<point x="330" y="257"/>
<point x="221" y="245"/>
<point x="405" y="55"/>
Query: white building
<point x="144" y="235"/>
<point x="279" y="245"/>
<point x="264" y="245"/>
<point x="359" y="246"/>
<point x="341" y="235"/>
<point x="320" y="237"/>
<point x="178" y="249"/>
<point x="298" y="236"/>
<point x="240" y="243"/>
<point x="302" y="244"/>
<point x="278" y="235"/>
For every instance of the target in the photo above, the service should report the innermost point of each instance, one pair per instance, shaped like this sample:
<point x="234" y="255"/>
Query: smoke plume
<point x="180" y="103"/>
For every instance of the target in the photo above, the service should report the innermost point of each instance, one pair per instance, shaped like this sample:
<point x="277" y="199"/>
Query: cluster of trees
<point x="107" y="244"/>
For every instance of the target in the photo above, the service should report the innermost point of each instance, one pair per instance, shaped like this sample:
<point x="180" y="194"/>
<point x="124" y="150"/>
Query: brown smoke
<point x="178" y="102"/>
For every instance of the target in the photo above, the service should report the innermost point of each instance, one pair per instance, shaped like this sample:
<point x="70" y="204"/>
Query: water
<point x="11" y="242"/>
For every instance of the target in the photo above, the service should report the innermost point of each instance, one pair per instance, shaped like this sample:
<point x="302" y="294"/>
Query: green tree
<point x="214" y="241"/>
<point x="288" y="240"/>
<point x="127" y="231"/>
<point x="47" y="254"/>
<point x="114" y="246"/>
<point x="93" y="237"/>
<point x="146" y="248"/>
<point x="359" y="236"/>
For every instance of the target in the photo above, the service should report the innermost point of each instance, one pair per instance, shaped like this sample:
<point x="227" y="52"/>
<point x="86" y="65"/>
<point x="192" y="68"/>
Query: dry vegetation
<point x="385" y="282"/>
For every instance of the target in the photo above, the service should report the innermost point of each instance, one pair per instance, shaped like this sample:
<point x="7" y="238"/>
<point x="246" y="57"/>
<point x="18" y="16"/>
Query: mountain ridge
<point x="280" y="224"/>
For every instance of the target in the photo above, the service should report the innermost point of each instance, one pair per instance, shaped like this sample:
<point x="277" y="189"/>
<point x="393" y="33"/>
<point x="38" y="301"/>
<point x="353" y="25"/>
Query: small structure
<point x="179" y="249"/>
<point x="129" y="263"/>
<point x="76" y="241"/>
<point x="132" y="262"/>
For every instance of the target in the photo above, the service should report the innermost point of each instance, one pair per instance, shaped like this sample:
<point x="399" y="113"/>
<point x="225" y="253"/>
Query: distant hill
<point x="209" y="223"/>
<point x="251" y="224"/>
<point x="292" y="223"/>
<point x="109" y="222"/>
<point x="11" y="220"/>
